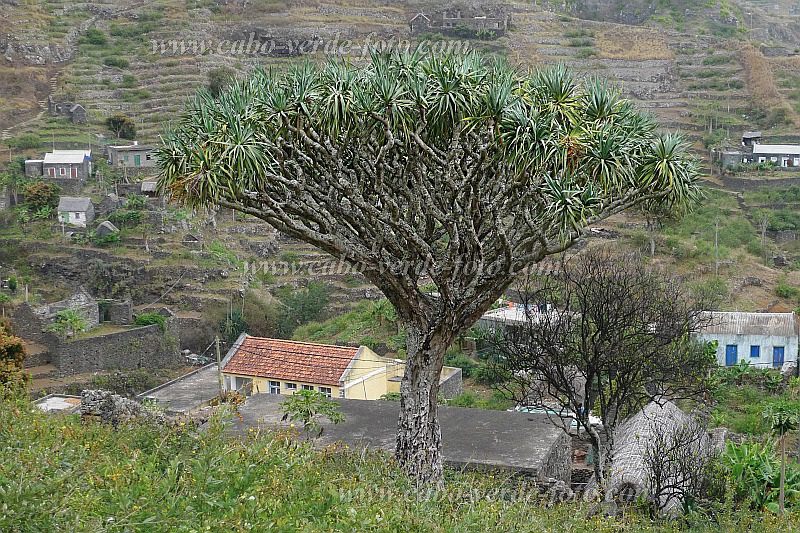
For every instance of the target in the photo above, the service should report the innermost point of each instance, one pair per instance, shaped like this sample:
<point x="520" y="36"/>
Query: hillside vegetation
<point x="59" y="474"/>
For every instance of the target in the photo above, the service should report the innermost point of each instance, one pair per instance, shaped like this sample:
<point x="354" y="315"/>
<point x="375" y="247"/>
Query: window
<point x="274" y="387"/>
<point x="62" y="171"/>
<point x="51" y="172"/>
<point x="326" y="391"/>
<point x="755" y="352"/>
<point x="762" y="159"/>
<point x="291" y="387"/>
<point x="147" y="156"/>
<point x="78" y="215"/>
<point x="74" y="172"/>
<point x="308" y="387"/>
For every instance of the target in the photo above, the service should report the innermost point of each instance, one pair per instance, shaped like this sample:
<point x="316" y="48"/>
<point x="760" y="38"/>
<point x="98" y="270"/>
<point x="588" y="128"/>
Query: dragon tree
<point x="462" y="169"/>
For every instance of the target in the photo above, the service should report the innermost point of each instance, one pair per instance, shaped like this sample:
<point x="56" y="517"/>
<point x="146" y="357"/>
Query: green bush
<point x="148" y="319"/>
<point x="581" y="42"/>
<point x="116" y="62"/>
<point x="585" y="53"/>
<point x="94" y="36"/>
<point x="716" y="60"/>
<point x="787" y="291"/>
<point x="27" y="141"/>
<point x="464" y="362"/>
<point x="105" y="240"/>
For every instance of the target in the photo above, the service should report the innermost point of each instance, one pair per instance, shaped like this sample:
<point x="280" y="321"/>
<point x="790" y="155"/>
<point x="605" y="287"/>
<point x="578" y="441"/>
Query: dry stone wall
<point x="145" y="347"/>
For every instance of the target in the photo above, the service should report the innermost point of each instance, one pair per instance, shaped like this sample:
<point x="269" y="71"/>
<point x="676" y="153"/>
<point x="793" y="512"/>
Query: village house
<point x="454" y="22"/>
<point x="753" y="151"/>
<point x="275" y="366"/>
<point x="131" y="156"/>
<point x="61" y="164"/>
<point x="761" y="339"/>
<point x="75" y="112"/>
<point x="783" y="155"/>
<point x="75" y="211"/>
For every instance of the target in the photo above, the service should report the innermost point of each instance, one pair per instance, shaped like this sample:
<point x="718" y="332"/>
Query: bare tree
<point x="457" y="168"/>
<point x="676" y="464"/>
<point x="607" y="335"/>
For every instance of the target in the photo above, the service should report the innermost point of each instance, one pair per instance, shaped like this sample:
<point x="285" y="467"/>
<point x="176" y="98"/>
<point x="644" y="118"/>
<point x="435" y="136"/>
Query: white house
<point x="785" y="155"/>
<point x="75" y="211"/>
<point x="762" y="339"/>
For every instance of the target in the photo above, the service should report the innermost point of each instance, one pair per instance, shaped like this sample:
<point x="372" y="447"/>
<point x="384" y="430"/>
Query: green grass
<point x="361" y="325"/>
<point x="59" y="474"/>
<point x="692" y="238"/>
<point x="741" y="400"/>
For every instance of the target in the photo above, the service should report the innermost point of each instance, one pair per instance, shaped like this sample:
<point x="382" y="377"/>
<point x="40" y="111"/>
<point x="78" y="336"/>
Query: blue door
<point x="777" y="356"/>
<point x="731" y="354"/>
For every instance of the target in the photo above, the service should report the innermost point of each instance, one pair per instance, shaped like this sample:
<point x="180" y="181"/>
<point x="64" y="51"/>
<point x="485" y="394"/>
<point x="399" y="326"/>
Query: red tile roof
<point x="283" y="360"/>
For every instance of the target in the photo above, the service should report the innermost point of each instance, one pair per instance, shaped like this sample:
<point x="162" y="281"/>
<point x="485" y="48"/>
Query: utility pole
<point x="219" y="365"/>
<point x="764" y="222"/>
<point x="716" y="246"/>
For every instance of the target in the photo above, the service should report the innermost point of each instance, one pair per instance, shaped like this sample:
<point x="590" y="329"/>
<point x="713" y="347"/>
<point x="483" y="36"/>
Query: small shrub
<point x="27" y="141"/>
<point x="148" y="319"/>
<point x="94" y="36"/>
<point x="787" y="291"/>
<point x="581" y="42"/>
<point x="308" y="407"/>
<point x="585" y="53"/>
<point x="117" y="62"/>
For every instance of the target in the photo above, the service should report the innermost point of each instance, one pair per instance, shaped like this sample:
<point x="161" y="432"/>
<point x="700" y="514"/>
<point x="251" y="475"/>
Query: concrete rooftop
<point x="474" y="438"/>
<point x="187" y="392"/>
<point x="58" y="403"/>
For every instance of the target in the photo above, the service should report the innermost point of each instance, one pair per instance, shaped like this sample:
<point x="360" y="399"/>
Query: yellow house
<point x="276" y="366"/>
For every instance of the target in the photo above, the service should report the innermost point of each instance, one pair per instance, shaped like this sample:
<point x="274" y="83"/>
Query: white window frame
<point x="326" y="391"/>
<point x="307" y="387"/>
<point x="274" y="387"/>
<point x="290" y="387"/>
<point x="62" y="171"/>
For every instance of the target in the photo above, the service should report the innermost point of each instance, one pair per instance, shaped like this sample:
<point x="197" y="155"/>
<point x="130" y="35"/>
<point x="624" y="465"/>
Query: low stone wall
<point x="451" y="386"/>
<point x="145" y="347"/>
<point x="745" y="184"/>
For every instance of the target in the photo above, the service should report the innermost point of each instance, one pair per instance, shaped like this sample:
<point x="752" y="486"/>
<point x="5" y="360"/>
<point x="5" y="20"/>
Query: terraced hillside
<point x="145" y="58"/>
<point x="710" y="71"/>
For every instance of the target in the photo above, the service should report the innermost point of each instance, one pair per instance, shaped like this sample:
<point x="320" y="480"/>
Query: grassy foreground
<point x="58" y="474"/>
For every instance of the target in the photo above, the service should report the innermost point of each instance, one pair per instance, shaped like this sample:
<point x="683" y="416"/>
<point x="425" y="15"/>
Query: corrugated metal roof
<point x="776" y="149"/>
<point x="736" y="323"/>
<point x="69" y="203"/>
<point x="64" y="158"/>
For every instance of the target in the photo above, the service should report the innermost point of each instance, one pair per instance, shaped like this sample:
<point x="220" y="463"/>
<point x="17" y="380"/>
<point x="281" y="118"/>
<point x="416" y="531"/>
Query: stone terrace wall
<point x="29" y="327"/>
<point x="145" y="347"/>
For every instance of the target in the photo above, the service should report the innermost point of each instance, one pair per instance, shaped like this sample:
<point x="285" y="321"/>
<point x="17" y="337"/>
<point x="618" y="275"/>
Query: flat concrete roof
<point x="187" y="392"/>
<point x="60" y="403"/>
<point x="475" y="438"/>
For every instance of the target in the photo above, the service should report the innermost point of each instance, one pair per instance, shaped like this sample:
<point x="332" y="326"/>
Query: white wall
<point x="766" y="342"/>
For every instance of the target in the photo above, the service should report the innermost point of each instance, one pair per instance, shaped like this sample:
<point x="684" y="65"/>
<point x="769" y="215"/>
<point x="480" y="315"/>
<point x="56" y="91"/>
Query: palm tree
<point x="457" y="168"/>
<point x="783" y="417"/>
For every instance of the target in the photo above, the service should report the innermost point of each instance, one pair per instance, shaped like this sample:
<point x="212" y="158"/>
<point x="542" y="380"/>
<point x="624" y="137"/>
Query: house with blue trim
<point x="761" y="339"/>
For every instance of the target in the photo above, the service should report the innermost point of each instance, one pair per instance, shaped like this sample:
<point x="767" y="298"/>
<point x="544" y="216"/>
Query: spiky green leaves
<point x="545" y="135"/>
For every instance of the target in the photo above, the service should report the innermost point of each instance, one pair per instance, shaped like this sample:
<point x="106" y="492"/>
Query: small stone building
<point x="81" y="302"/>
<point x="75" y="112"/>
<point x="131" y="156"/>
<point x="61" y="164"/>
<point x="75" y="211"/>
